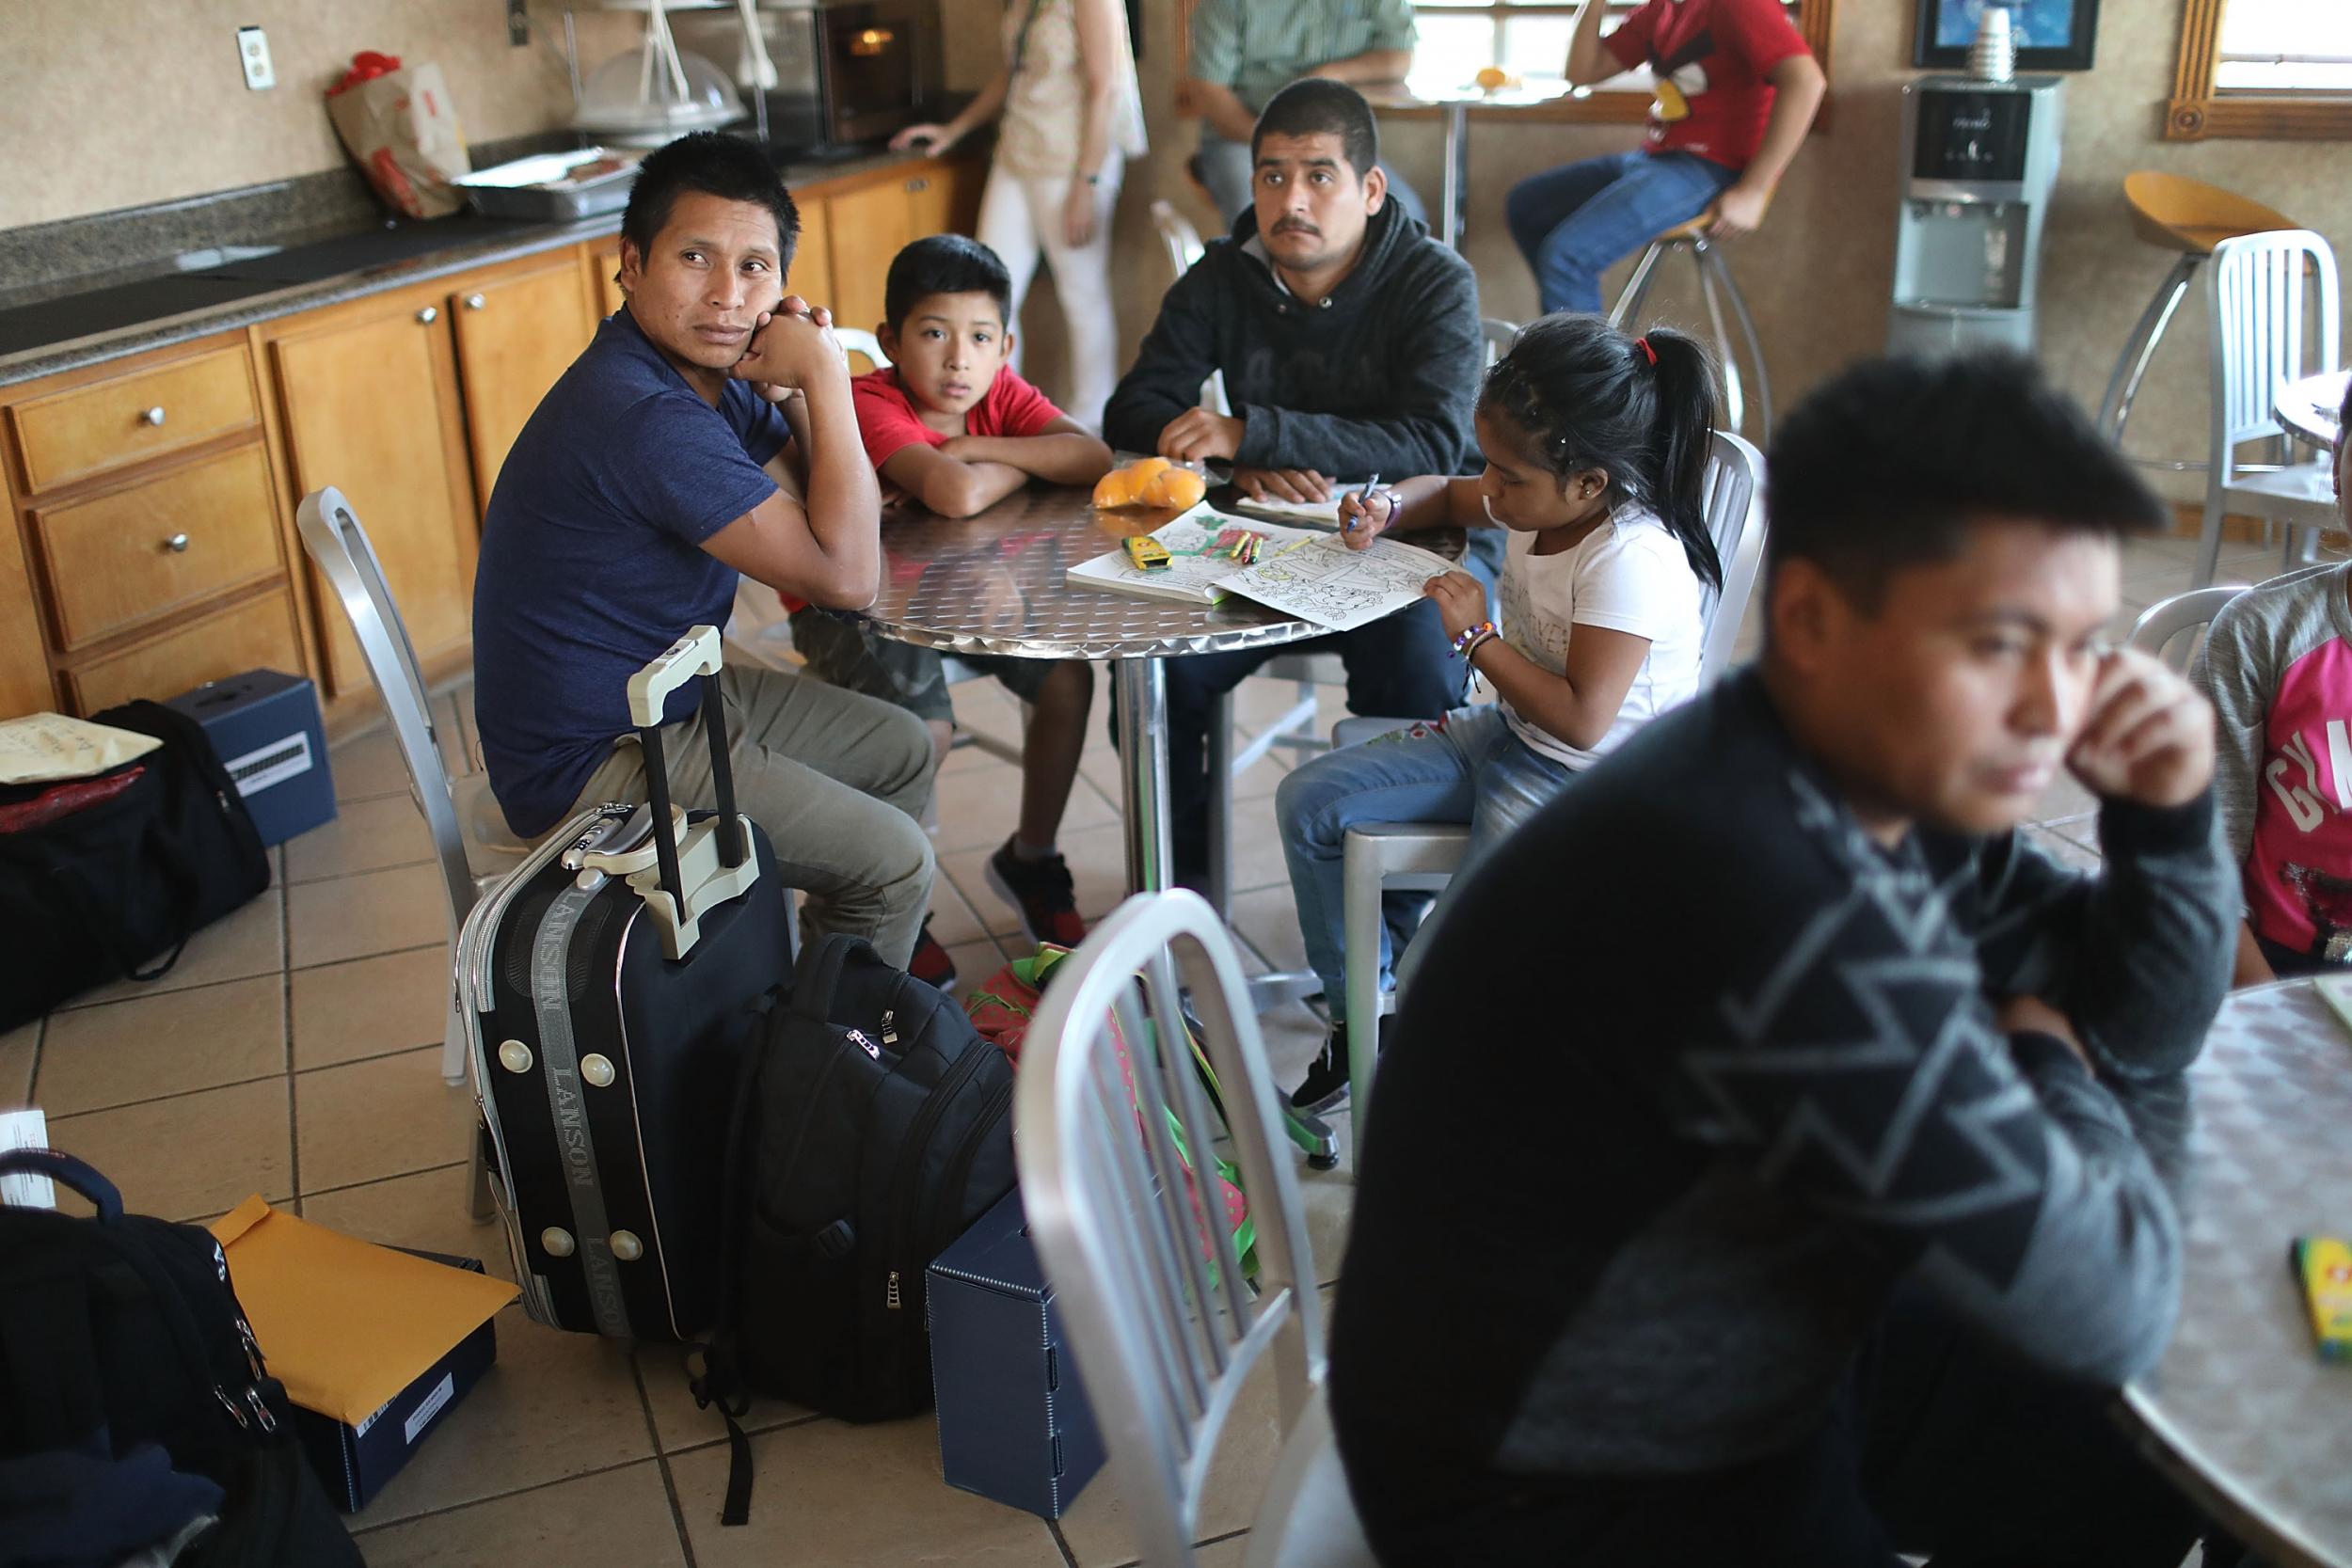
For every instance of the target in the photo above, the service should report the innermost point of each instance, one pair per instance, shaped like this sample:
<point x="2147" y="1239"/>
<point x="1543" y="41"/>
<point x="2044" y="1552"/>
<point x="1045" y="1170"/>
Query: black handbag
<point x="135" y="1401"/>
<point x="88" y="896"/>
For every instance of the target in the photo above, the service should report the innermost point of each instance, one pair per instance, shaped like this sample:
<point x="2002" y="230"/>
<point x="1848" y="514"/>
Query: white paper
<point x="1190" y="577"/>
<point x="1326" y="582"/>
<point x="26" y="1129"/>
<point x="1321" y="514"/>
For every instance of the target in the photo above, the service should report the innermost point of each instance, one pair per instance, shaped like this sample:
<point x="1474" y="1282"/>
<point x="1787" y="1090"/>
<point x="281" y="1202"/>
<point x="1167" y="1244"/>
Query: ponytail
<point x="1642" y="410"/>
<point x="1683" y="439"/>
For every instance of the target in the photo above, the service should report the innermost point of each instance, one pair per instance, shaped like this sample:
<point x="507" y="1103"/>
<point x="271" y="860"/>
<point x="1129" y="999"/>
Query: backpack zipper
<point x="910" y="1157"/>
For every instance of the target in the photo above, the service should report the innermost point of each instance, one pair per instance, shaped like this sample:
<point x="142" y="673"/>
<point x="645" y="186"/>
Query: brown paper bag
<point x="402" y="128"/>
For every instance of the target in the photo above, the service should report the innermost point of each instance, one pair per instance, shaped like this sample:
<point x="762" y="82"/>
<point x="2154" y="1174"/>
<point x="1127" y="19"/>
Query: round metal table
<point x="2255" y="1142"/>
<point x="2308" y="407"/>
<point x="994" y="585"/>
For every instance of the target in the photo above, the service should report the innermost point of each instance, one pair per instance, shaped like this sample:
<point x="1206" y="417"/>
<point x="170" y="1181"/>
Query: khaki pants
<point x="835" y="780"/>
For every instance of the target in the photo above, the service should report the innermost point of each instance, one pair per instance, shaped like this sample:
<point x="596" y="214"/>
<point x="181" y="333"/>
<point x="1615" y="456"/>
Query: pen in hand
<point x="1348" y="529"/>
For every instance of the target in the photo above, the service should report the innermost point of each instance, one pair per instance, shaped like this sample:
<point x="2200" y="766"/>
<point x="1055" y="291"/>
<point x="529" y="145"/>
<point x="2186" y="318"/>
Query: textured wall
<point x="108" y="103"/>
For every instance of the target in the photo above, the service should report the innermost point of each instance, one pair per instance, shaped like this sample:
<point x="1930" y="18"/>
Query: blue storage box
<point x="1014" y="1421"/>
<point x="265" y="726"/>
<point x="355" y="1462"/>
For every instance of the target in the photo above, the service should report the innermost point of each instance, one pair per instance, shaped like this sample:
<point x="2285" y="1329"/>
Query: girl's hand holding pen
<point x="1364" y="516"/>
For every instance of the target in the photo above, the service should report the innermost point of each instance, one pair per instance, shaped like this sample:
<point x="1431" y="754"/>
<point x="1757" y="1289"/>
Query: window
<point x="2263" y="69"/>
<point x="1530" y="40"/>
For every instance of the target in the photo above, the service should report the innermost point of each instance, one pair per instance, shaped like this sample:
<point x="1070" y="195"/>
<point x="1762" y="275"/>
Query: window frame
<point x="2197" y="112"/>
<point x="1599" y="105"/>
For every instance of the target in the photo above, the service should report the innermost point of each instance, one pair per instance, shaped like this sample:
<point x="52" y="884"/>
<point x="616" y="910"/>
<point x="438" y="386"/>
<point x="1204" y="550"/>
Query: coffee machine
<point x="1982" y="159"/>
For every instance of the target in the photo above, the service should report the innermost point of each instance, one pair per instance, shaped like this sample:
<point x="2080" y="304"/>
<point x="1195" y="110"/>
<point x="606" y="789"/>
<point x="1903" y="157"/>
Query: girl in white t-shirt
<point x="1595" y="445"/>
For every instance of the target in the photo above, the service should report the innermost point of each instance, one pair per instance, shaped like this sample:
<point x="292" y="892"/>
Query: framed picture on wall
<point x="2051" y="35"/>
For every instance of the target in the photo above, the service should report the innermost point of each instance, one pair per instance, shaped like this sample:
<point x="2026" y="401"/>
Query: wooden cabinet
<point x="138" y="553"/>
<point x="810" y="276"/>
<point x="515" y="337"/>
<point x="871" y="224"/>
<point x="370" y="392"/>
<point x="259" y="633"/>
<point x="130" y="417"/>
<point x="604" y="266"/>
<point x="24" y="685"/>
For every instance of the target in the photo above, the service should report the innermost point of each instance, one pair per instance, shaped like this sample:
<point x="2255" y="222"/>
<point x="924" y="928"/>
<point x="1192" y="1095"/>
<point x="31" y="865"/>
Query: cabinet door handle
<point x="428" y="315"/>
<point x="475" y="302"/>
<point x="919" y="185"/>
<point x="153" y="416"/>
<point x="177" y="544"/>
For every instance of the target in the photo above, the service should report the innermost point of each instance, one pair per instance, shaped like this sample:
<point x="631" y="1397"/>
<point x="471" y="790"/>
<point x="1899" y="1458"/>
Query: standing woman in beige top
<point x="1072" y="114"/>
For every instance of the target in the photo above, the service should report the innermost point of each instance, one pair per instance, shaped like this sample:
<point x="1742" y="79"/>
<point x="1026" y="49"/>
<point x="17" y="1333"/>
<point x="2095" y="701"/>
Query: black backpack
<point x="873" y="1127"/>
<point x="119" y="1335"/>
<point x="88" y="896"/>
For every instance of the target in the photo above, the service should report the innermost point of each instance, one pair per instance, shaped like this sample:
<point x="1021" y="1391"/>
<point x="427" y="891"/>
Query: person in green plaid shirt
<point x="1244" y="52"/>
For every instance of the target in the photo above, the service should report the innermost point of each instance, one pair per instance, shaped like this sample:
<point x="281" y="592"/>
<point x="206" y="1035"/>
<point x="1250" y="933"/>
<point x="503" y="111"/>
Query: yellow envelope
<point x="346" y="1324"/>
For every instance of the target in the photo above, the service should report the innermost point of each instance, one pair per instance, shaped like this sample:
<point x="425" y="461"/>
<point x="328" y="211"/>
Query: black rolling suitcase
<point x="609" y="1032"/>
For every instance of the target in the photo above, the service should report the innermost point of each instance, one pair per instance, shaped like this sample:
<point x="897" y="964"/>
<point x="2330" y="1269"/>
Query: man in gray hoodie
<point x="1349" y="344"/>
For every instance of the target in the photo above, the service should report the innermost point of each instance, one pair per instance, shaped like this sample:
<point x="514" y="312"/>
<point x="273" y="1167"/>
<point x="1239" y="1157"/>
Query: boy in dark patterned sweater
<point x="1822" y="1236"/>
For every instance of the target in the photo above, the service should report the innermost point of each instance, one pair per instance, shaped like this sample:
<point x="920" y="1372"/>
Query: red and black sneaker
<point x="930" y="963"/>
<point x="1040" y="891"/>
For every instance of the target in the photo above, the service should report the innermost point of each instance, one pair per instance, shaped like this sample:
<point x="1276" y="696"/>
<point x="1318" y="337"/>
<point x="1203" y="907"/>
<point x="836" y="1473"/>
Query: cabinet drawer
<point x="256" y="634"/>
<point x="132" y="418"/>
<point x="140" y="553"/>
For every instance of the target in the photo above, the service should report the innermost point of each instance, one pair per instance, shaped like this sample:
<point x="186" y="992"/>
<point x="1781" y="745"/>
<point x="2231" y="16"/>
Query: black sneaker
<point x="930" y="963"/>
<point x="1325" y="1084"/>
<point x="1042" y="893"/>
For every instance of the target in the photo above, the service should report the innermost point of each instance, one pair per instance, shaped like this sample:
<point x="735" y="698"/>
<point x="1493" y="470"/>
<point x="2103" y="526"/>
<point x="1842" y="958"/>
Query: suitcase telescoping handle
<point x="715" y="877"/>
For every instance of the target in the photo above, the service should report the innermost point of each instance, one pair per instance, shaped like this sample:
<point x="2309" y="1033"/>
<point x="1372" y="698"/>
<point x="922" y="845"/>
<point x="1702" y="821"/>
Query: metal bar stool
<point x="1717" y="288"/>
<point x="2188" y="218"/>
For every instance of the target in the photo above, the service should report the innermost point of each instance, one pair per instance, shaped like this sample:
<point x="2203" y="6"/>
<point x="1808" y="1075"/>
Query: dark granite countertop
<point x="78" y="329"/>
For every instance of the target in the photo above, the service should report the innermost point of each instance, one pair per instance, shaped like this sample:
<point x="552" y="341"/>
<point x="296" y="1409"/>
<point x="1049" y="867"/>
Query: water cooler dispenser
<point x="1982" y="162"/>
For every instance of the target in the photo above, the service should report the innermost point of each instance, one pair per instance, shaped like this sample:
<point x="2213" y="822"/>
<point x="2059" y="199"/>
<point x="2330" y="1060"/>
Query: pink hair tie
<point x="1643" y="343"/>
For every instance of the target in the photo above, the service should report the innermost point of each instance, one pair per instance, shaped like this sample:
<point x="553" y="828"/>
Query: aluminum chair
<point x="1498" y="335"/>
<point x="2263" y="311"/>
<point x="1166" y="1330"/>
<point x="1384" y="857"/>
<point x="2168" y="620"/>
<point x="470" y="841"/>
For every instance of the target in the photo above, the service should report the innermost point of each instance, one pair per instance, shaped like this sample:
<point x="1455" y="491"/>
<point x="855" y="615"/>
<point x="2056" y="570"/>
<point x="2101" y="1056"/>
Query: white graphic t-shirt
<point x="1628" y="574"/>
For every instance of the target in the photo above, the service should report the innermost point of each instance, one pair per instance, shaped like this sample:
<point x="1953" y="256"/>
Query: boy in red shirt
<point x="1737" y="89"/>
<point x="949" y="427"/>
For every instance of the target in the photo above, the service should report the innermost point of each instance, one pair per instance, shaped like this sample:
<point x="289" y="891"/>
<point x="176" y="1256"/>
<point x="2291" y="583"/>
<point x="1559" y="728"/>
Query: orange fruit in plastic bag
<point x="1179" y="488"/>
<point x="1125" y="486"/>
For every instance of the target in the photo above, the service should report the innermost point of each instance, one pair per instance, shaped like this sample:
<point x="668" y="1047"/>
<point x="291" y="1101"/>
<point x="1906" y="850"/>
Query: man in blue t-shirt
<point x="706" y="432"/>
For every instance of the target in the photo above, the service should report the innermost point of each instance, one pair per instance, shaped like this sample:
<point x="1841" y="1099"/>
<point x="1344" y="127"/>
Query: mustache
<point x="1296" y="226"/>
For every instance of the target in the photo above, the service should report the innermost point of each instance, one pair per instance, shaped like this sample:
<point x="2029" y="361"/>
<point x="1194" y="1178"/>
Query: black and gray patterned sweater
<point x="1696" y="1071"/>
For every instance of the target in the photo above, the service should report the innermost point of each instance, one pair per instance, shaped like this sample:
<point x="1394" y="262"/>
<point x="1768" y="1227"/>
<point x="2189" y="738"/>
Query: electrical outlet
<point x="517" y="22"/>
<point x="253" y="51"/>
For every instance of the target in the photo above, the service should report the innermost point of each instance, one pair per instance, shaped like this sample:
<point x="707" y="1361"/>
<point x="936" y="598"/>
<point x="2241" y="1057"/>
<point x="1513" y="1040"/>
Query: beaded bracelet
<point x="1469" y="654"/>
<point x="1467" y="634"/>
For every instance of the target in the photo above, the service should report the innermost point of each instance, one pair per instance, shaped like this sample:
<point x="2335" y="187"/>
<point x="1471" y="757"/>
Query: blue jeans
<point x="1465" y="767"/>
<point x="1396" y="668"/>
<point x="1572" y="222"/>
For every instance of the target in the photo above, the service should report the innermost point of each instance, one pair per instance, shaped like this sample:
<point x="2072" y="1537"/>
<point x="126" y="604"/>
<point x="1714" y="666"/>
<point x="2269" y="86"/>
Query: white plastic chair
<point x="2259" y="294"/>
<point x="1383" y="857"/>
<point x="1498" y="335"/>
<point x="470" y="841"/>
<point x="864" y="345"/>
<point x="2166" y="620"/>
<point x="1166" y="1330"/>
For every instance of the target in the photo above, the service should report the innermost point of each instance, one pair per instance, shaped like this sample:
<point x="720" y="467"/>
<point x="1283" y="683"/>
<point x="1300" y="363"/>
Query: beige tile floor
<point x="293" y="1052"/>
